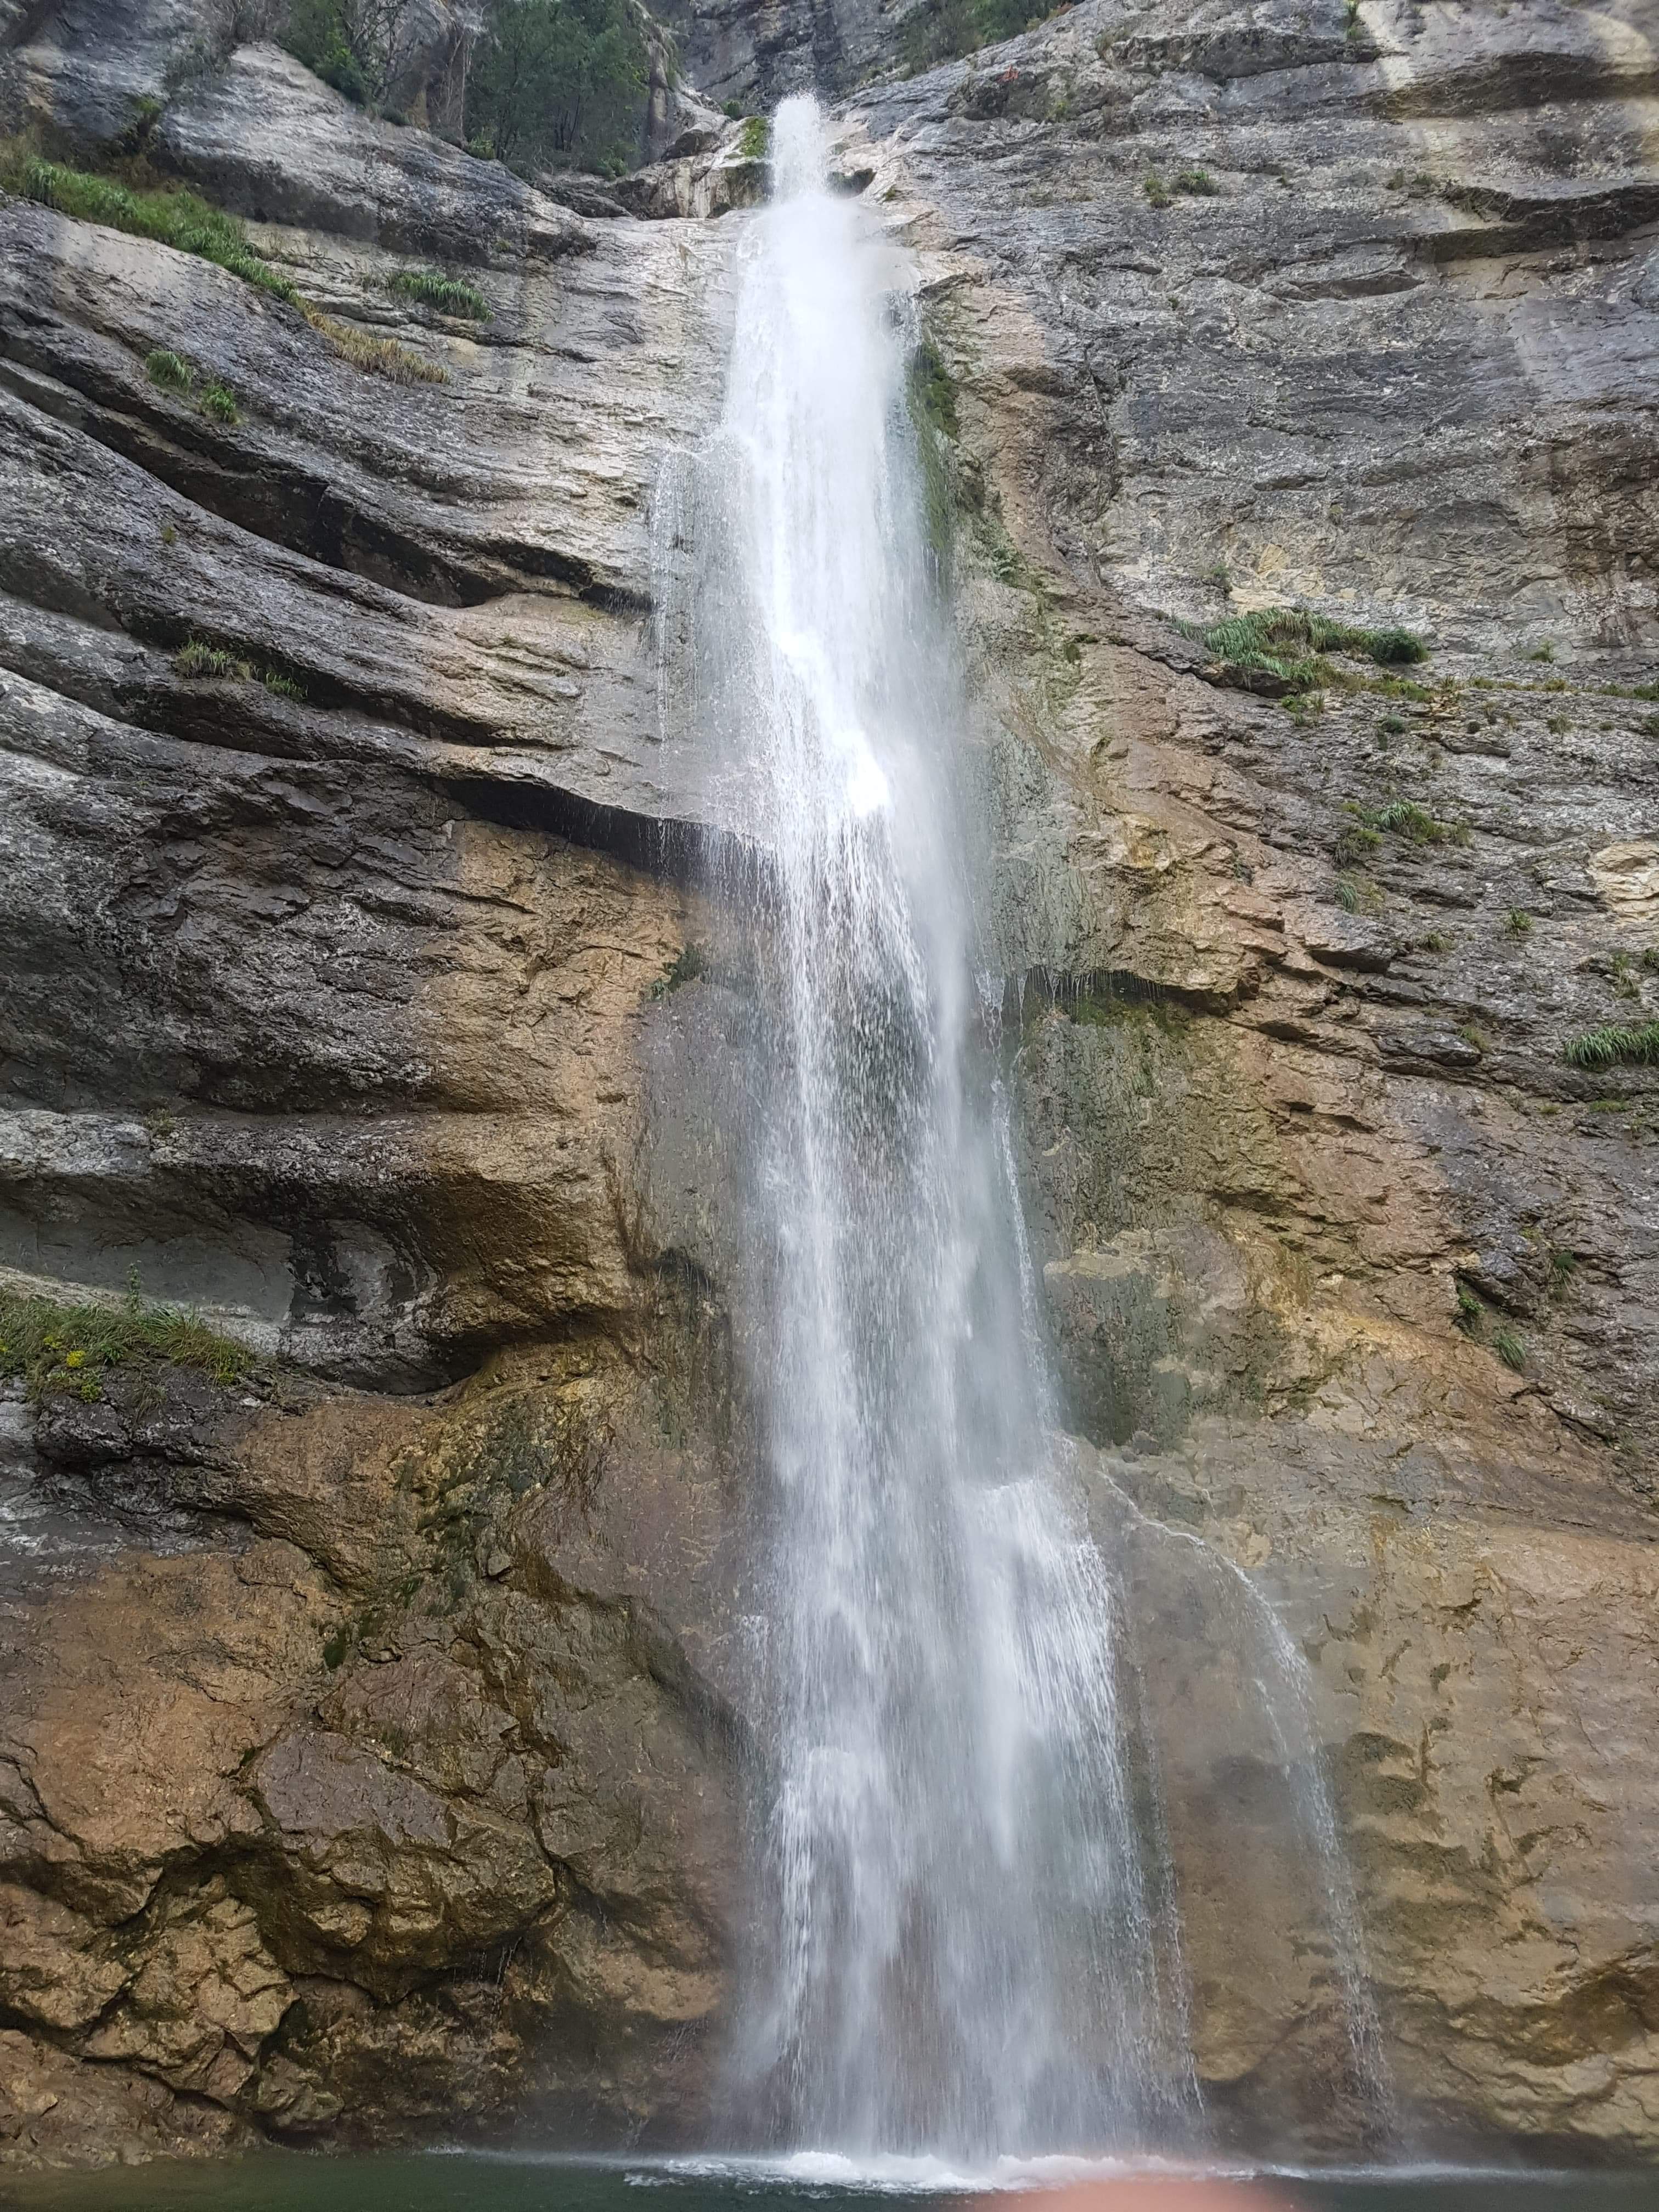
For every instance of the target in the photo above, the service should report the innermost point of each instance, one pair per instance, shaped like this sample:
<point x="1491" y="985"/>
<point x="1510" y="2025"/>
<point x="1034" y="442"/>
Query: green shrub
<point x="1157" y="191"/>
<point x="354" y="61"/>
<point x="943" y="30"/>
<point x="173" y="217"/>
<point x="280" y="686"/>
<point x="1518" y="922"/>
<point x="1405" y="818"/>
<point x="67" y="1348"/>
<point x="754" y="138"/>
<point x="1509" y="1348"/>
<point x="1198" y="184"/>
<point x="561" y="84"/>
<point x="1281" y="648"/>
<point x="450" y="295"/>
<point x="220" y="401"/>
<point x="1606" y="1046"/>
<point x="1357" y="838"/>
<point x="733" y="111"/>
<point x="690" y="963"/>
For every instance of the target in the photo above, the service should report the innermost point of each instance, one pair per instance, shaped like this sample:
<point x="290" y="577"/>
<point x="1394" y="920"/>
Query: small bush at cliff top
<point x="450" y="295"/>
<point x="939" y="30"/>
<point x="67" y="1348"/>
<point x="175" y="218"/>
<point x="561" y="84"/>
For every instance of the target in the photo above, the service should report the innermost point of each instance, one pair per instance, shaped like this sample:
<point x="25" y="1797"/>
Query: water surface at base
<point x="472" y="2184"/>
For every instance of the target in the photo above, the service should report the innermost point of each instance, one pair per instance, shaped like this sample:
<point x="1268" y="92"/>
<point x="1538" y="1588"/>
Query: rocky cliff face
<point x="372" y="1730"/>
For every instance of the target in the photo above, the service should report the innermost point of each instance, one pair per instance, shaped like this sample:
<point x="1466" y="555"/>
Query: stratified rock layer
<point x="373" y="1737"/>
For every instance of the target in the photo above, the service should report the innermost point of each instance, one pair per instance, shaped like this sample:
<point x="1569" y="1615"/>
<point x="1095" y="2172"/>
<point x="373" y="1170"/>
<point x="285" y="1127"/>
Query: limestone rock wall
<point x="373" y="1740"/>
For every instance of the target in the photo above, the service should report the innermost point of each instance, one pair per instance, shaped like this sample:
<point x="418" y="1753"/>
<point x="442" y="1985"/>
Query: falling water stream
<point x="960" y="1954"/>
<point x="963" y="1956"/>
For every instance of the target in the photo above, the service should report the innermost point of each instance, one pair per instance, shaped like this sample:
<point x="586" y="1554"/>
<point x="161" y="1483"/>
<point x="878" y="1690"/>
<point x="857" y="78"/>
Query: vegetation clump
<point x="1405" y="818"/>
<point x="376" y="356"/>
<point x="754" y="138"/>
<point x="173" y="217"/>
<point x="200" y="660"/>
<point x="181" y="219"/>
<point x="944" y="30"/>
<point x="559" y="84"/>
<point x="1279" y="650"/>
<point x="450" y="295"/>
<point x="1198" y="184"/>
<point x="68" y="1348"/>
<point x="169" y="370"/>
<point x="1612" y="1043"/>
<point x="690" y="963"/>
<point x="173" y="373"/>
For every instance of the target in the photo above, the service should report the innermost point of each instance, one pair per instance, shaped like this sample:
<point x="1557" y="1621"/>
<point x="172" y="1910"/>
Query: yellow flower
<point x="74" y="1359"/>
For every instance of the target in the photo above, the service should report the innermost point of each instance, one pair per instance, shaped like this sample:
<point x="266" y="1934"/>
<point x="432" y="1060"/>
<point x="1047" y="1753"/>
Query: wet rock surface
<point x="373" y="1740"/>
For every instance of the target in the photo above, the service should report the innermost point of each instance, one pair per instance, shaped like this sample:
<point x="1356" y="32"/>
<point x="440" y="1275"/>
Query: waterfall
<point x="960" y="1955"/>
<point x="959" y="1951"/>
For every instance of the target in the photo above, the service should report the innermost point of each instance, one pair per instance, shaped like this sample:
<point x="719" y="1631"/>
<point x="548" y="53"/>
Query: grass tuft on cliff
<point x="69" y="1348"/>
<point x="1613" y="1044"/>
<point x="199" y="660"/>
<point x="450" y="295"/>
<point x="173" y="217"/>
<point x="1279" y="650"/>
<point x="179" y="219"/>
<point x="376" y="356"/>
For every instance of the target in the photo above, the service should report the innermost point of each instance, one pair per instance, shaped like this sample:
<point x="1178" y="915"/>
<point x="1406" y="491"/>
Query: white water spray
<point x="961" y="1957"/>
<point x="960" y="1960"/>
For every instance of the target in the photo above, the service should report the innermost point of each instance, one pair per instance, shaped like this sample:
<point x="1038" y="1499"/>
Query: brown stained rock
<point x="1465" y="1627"/>
<point x="343" y="1844"/>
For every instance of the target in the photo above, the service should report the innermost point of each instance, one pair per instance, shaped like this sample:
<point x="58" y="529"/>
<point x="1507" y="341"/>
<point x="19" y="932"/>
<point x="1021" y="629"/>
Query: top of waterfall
<point x="799" y="150"/>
